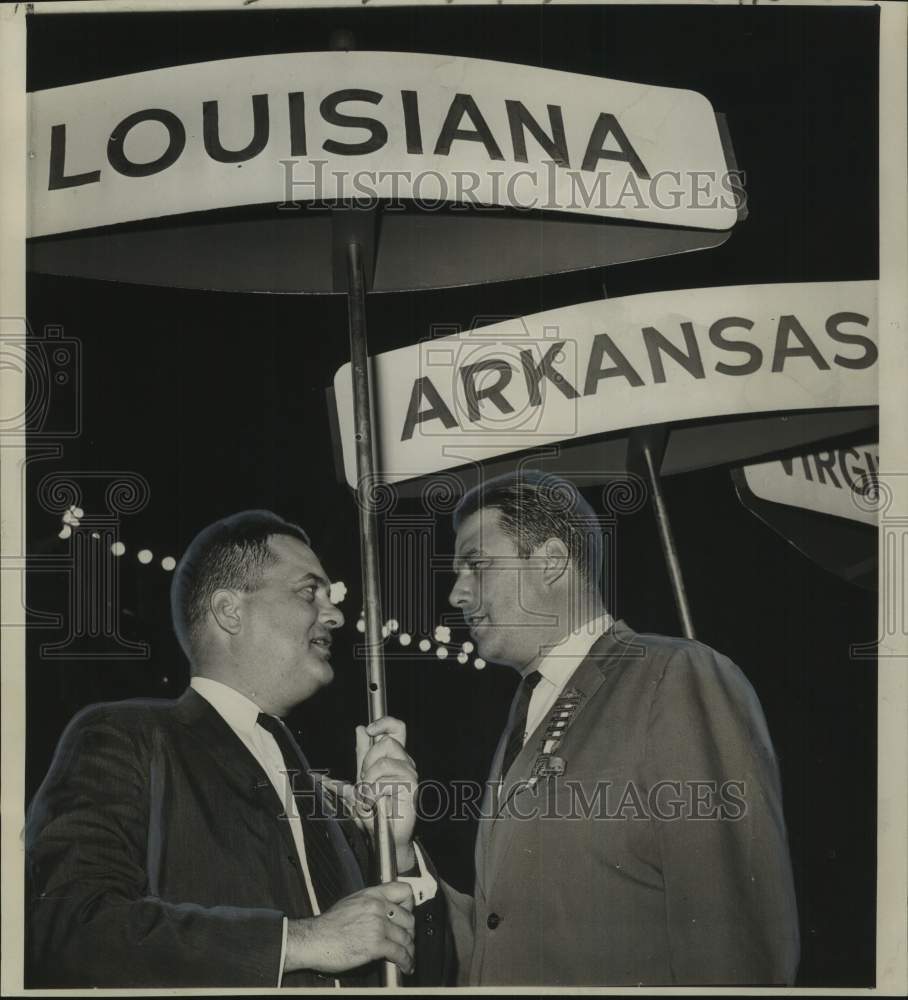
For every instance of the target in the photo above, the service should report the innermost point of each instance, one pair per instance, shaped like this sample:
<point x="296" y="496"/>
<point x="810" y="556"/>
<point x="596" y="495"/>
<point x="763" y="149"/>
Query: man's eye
<point x="308" y="592"/>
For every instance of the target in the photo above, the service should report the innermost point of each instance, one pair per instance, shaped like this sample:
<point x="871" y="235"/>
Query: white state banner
<point x="604" y="366"/>
<point x="840" y="481"/>
<point x="314" y="126"/>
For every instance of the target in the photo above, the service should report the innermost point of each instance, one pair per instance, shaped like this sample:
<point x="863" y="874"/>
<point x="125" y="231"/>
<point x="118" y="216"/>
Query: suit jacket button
<point x="493" y="921"/>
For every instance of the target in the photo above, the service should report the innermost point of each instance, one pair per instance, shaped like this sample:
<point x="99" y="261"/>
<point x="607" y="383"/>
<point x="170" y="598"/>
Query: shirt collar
<point x="562" y="660"/>
<point x="234" y="708"/>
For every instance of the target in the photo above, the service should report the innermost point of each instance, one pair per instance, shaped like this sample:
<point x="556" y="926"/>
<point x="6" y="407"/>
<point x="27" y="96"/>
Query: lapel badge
<point x="560" y="717"/>
<point x="548" y="766"/>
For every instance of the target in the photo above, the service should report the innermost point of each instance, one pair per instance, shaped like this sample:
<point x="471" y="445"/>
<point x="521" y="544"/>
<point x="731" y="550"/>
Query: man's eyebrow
<point x="310" y="578"/>
<point x="472" y="551"/>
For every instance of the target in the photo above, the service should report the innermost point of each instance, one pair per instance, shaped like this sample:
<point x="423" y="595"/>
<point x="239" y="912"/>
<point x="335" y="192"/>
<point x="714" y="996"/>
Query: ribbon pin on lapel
<point x="560" y="718"/>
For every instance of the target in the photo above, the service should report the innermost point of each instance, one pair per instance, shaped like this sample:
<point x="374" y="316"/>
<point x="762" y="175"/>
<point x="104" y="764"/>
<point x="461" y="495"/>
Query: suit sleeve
<point x="435" y="955"/>
<point x="92" y="919"/>
<point x="730" y="903"/>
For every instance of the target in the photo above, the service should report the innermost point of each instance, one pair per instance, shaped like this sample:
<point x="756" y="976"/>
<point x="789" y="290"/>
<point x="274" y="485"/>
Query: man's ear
<point x="227" y="611"/>
<point x="557" y="558"/>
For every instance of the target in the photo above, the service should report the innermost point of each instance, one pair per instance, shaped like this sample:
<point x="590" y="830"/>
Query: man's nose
<point x="461" y="595"/>
<point x="331" y="615"/>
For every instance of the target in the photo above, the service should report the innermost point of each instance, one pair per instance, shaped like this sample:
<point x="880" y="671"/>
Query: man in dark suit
<point x="632" y="828"/>
<point x="186" y="843"/>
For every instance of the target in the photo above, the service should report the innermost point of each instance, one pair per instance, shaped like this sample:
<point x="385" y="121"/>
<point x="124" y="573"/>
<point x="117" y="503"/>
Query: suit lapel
<point x="488" y="812"/>
<point x="583" y="684"/>
<point x="332" y="814"/>
<point x="490" y="801"/>
<point x="240" y="766"/>
<point x="233" y="758"/>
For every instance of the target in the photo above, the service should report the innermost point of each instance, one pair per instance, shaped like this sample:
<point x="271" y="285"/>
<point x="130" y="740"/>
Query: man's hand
<point x="375" y="923"/>
<point x="384" y="769"/>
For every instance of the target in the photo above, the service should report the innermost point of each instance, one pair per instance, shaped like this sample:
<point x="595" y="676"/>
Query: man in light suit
<point x="186" y="843"/>
<point x="632" y="828"/>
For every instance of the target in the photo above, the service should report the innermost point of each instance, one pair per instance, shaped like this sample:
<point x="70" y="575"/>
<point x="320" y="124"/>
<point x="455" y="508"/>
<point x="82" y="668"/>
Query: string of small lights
<point x="442" y="640"/>
<point x="72" y="519"/>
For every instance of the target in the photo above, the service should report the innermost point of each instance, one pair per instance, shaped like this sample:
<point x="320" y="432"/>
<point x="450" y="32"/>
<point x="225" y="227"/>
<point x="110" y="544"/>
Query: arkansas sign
<point x="604" y="366"/>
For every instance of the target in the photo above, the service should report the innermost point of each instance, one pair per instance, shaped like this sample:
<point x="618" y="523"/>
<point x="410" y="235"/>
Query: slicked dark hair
<point x="535" y="506"/>
<point x="232" y="554"/>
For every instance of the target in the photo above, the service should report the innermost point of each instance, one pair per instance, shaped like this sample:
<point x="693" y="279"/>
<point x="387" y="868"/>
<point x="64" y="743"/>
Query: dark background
<point x="218" y="401"/>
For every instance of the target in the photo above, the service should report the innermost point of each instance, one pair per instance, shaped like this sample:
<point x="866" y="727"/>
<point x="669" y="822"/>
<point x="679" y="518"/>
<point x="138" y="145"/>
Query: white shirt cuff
<point x="423" y="885"/>
<point x="280" y="968"/>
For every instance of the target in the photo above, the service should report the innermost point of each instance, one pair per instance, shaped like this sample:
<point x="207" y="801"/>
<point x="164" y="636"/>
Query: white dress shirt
<point x="241" y="715"/>
<point x="557" y="666"/>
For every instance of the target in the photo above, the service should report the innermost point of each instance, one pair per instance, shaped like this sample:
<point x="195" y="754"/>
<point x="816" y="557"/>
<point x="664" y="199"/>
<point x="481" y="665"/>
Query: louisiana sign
<point x="319" y="126"/>
<point x="604" y="366"/>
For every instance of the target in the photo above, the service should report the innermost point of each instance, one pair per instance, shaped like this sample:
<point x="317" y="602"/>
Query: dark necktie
<point x="519" y="725"/>
<point x="331" y="863"/>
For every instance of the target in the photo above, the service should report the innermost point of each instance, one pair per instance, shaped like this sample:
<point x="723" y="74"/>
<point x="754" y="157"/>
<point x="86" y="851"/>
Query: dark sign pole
<point x="646" y="448"/>
<point x="368" y="538"/>
<point x="353" y="238"/>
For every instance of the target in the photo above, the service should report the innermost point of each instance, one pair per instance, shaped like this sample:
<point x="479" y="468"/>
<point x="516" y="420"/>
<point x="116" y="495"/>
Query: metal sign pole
<point x="368" y="535"/>
<point x="647" y="445"/>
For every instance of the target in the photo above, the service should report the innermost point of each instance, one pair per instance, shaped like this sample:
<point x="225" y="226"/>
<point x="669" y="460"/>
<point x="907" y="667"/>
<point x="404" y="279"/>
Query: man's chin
<point x="488" y="651"/>
<point x="319" y="669"/>
<point x="492" y="651"/>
